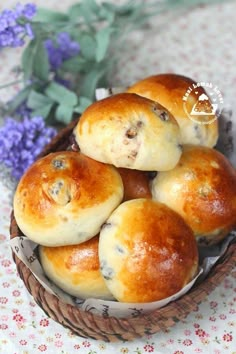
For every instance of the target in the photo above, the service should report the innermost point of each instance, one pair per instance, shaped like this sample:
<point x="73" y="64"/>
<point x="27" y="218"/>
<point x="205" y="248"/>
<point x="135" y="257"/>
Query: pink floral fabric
<point x="199" y="44"/>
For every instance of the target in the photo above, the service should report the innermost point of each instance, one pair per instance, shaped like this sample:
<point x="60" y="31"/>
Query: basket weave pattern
<point x="110" y="329"/>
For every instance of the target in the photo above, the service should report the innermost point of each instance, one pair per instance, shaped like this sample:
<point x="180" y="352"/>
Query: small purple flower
<point x="29" y="31"/>
<point x="22" y="141"/>
<point x="29" y="10"/>
<point x="61" y="49"/>
<point x="14" y="25"/>
<point x="23" y="111"/>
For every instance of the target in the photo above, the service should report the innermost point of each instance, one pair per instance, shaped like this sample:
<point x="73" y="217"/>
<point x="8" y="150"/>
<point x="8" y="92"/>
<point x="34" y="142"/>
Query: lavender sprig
<point x="61" y="49"/>
<point x="21" y="142"/>
<point x="15" y="26"/>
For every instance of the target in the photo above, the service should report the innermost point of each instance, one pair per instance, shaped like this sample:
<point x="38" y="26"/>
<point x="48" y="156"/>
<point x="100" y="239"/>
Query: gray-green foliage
<point x="98" y="29"/>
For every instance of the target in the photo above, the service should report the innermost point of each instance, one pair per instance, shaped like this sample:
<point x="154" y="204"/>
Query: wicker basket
<point x="110" y="329"/>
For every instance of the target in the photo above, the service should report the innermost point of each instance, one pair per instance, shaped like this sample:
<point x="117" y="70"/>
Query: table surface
<point x="201" y="44"/>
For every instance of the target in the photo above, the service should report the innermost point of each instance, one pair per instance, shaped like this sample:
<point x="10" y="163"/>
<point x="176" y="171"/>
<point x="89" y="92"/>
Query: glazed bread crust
<point x="147" y="252"/>
<point x="75" y="269"/>
<point x="169" y="90"/>
<point x="130" y="131"/>
<point x="136" y="184"/>
<point x="65" y="197"/>
<point x="202" y="189"/>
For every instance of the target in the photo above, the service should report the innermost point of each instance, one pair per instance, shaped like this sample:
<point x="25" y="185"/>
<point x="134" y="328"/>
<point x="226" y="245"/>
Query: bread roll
<point x="75" y="269"/>
<point x="147" y="252"/>
<point x="169" y="90"/>
<point x="65" y="197"/>
<point x="136" y="184"/>
<point x="129" y="131"/>
<point x="202" y="189"/>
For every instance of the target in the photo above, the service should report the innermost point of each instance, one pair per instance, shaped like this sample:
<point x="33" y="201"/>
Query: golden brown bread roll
<point x="202" y="189"/>
<point x="130" y="131"/>
<point x="65" y="197"/>
<point x="169" y="90"/>
<point x="75" y="269"/>
<point x="147" y="252"/>
<point x="136" y="184"/>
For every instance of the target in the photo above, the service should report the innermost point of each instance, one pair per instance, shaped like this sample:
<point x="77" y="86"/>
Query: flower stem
<point x="11" y="83"/>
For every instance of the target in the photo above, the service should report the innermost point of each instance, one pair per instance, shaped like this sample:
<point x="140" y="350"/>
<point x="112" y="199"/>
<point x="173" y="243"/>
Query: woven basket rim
<point x="126" y="328"/>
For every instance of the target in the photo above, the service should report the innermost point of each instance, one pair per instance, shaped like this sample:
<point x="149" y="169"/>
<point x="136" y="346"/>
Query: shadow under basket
<point x="111" y="329"/>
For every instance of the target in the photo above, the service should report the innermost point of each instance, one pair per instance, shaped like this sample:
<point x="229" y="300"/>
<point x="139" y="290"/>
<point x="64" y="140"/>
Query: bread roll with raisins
<point x="169" y="90"/>
<point x="130" y="131"/>
<point x="65" y="197"/>
<point x="147" y="252"/>
<point x="75" y="269"/>
<point x="202" y="189"/>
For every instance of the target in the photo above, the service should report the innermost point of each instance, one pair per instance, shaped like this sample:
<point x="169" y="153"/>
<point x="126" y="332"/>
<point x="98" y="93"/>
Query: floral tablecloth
<point x="201" y="44"/>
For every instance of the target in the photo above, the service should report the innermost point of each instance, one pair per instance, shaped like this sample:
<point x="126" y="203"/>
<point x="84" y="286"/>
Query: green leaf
<point x="37" y="100"/>
<point x="85" y="12"/>
<point x="64" y="113"/>
<point x="18" y="99"/>
<point x="130" y="7"/>
<point x="46" y="15"/>
<point x="74" y="11"/>
<point x="40" y="62"/>
<point x="103" y="40"/>
<point x="61" y="94"/>
<point x="84" y="102"/>
<point x="90" y="82"/>
<point x="107" y="12"/>
<point x="28" y="58"/>
<point x="88" y="46"/>
<point x="43" y="111"/>
<point x="76" y="64"/>
<point x="92" y="5"/>
<point x="86" y="9"/>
